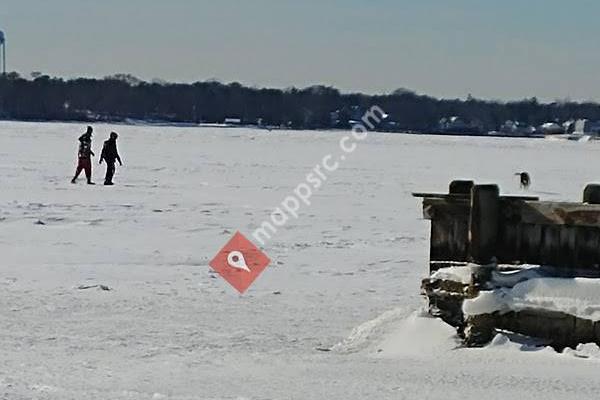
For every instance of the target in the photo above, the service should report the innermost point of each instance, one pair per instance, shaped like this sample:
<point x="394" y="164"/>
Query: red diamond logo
<point x="240" y="262"/>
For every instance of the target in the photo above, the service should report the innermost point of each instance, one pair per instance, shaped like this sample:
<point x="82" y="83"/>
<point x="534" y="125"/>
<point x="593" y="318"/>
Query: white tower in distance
<point x="3" y="45"/>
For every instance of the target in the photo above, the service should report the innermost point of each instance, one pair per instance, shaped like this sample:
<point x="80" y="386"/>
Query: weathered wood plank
<point x="449" y="239"/>
<point x="444" y="196"/>
<point x="561" y="234"/>
<point x="458" y="207"/>
<point x="550" y="213"/>
<point x="451" y="196"/>
<point x="587" y="253"/>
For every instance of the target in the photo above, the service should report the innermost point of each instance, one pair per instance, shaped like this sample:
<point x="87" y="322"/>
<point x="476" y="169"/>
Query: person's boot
<point x="108" y="183"/>
<point x="91" y="183"/>
<point x="74" y="180"/>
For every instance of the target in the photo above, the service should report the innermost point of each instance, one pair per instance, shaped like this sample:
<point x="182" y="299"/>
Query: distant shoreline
<point x="125" y="99"/>
<point x="264" y="128"/>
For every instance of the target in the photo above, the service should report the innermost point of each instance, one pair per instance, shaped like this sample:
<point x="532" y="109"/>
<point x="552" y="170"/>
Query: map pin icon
<point x="236" y="260"/>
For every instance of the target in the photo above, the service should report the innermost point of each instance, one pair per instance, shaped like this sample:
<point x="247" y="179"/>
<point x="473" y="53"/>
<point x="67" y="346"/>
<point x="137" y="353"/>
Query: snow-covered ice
<point x="335" y="316"/>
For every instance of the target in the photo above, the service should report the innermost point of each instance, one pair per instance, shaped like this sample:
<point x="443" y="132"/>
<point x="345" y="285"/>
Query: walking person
<point x="110" y="154"/>
<point x="84" y="156"/>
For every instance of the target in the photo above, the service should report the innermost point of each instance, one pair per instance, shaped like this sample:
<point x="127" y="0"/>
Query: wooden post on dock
<point x="460" y="187"/>
<point x="483" y="223"/>
<point x="591" y="194"/>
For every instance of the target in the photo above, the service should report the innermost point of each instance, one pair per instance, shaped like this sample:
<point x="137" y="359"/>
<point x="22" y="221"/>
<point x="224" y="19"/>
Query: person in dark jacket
<point x="84" y="156"/>
<point x="110" y="154"/>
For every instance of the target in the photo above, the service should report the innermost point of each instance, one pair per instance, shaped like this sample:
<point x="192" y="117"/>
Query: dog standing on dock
<point x="525" y="179"/>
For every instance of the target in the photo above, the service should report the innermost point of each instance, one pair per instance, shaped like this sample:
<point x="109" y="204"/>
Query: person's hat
<point x="114" y="135"/>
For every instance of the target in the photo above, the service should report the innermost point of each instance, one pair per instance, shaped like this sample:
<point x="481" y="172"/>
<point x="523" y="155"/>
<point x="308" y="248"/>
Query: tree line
<point x="121" y="97"/>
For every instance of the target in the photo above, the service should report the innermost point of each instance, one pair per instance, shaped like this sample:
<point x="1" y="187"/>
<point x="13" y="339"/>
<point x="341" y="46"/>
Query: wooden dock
<point x="474" y="225"/>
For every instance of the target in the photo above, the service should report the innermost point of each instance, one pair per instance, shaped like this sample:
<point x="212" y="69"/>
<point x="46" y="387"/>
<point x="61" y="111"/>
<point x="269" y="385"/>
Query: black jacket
<point x="110" y="152"/>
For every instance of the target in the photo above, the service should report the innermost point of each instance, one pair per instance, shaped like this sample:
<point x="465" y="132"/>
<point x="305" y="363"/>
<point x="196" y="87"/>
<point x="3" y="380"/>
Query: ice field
<point x="337" y="314"/>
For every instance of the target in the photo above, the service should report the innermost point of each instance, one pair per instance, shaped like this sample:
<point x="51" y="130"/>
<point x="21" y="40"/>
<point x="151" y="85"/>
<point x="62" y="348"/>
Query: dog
<point x="525" y="179"/>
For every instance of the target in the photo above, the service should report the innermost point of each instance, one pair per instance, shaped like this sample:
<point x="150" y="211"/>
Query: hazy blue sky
<point x="492" y="49"/>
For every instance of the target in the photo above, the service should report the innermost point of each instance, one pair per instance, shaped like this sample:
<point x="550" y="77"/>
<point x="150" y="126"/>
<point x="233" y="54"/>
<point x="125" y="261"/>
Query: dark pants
<point x="85" y="163"/>
<point x="110" y="171"/>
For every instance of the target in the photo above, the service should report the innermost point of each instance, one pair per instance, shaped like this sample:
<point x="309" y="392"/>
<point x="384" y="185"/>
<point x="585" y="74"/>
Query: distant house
<point x="458" y="125"/>
<point x="516" y="128"/>
<point x="356" y="113"/>
<point x="335" y="118"/>
<point x="233" y="121"/>
<point x="551" y="128"/>
<point x="352" y="115"/>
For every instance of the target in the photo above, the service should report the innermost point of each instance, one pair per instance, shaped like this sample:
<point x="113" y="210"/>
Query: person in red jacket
<point x="110" y="154"/>
<point x="85" y="156"/>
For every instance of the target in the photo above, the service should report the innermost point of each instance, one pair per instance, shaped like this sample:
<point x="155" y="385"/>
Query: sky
<point x="509" y="49"/>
